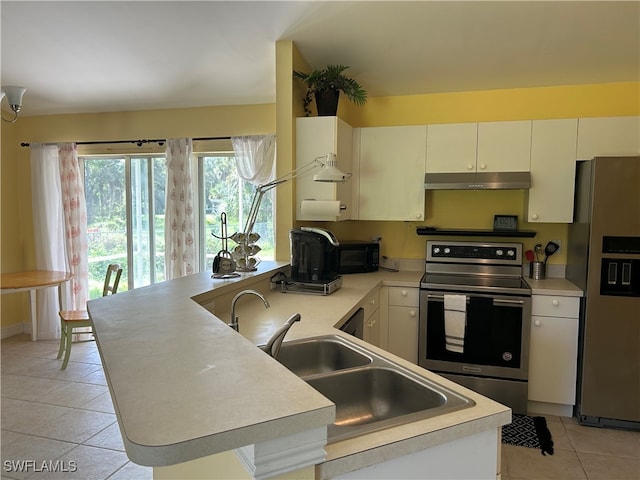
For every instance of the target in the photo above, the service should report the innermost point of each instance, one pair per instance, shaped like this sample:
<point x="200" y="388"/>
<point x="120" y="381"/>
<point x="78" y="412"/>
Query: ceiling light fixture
<point x="14" y="97"/>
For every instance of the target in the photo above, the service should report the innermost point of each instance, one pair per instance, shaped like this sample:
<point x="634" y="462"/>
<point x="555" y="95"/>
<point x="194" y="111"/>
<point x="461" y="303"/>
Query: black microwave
<point x="358" y="257"/>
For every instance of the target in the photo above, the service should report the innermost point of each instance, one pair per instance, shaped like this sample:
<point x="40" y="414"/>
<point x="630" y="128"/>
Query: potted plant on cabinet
<point x="325" y="85"/>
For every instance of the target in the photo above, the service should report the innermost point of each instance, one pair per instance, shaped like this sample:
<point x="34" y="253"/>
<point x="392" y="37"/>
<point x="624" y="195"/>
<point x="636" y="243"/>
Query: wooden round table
<point x="32" y="281"/>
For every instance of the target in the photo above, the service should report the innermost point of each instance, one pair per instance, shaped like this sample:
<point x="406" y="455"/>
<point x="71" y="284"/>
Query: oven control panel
<point x="471" y="252"/>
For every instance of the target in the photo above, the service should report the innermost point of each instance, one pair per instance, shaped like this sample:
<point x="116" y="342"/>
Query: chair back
<point x="112" y="279"/>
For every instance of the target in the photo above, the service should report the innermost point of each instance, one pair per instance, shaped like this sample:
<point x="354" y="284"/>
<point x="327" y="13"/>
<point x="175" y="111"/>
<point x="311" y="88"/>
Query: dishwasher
<point x="355" y="325"/>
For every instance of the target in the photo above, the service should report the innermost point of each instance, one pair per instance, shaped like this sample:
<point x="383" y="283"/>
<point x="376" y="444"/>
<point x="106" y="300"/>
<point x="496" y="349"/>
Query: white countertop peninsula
<point x="186" y="386"/>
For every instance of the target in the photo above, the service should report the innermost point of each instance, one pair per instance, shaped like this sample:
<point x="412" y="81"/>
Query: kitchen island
<point x="187" y="388"/>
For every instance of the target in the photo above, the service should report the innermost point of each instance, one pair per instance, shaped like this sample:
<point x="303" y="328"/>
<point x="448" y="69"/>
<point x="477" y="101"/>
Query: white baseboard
<point x="15" y="329"/>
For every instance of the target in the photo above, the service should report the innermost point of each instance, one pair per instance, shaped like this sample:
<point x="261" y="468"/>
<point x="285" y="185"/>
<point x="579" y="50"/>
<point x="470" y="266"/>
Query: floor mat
<point x="526" y="431"/>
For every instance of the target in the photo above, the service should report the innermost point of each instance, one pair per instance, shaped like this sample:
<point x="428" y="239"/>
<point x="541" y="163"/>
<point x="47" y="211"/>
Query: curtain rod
<point x="137" y="142"/>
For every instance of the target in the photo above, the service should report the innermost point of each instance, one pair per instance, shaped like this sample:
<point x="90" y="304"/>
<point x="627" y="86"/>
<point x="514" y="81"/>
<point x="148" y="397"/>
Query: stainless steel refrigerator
<point x="603" y="258"/>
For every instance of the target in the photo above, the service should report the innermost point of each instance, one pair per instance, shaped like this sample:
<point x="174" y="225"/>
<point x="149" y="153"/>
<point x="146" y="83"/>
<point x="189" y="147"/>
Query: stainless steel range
<point x="475" y="314"/>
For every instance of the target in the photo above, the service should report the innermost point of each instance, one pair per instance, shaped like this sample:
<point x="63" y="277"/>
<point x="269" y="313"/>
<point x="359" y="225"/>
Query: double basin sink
<point x="370" y="392"/>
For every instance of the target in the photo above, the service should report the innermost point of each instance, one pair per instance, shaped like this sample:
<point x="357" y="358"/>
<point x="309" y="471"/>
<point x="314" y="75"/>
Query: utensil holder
<point x="537" y="270"/>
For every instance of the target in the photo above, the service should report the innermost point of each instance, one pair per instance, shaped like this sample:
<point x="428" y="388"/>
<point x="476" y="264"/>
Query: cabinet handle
<point x="469" y="166"/>
<point x="537" y="323"/>
<point x="555" y="303"/>
<point x="412" y="313"/>
<point x="482" y="166"/>
<point x="418" y="216"/>
<point x="534" y="216"/>
<point x="404" y="293"/>
<point x="372" y="301"/>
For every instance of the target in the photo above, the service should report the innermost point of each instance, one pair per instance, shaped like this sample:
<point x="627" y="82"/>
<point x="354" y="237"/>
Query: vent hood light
<point x="477" y="181"/>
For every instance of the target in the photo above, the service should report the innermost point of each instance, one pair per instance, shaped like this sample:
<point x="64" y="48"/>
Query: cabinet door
<point x="553" y="167"/>
<point x="603" y="136"/>
<point x="452" y="147"/>
<point x="315" y="137"/>
<point x="552" y="359"/>
<point x="403" y="332"/>
<point x="504" y="146"/>
<point x="372" y="329"/>
<point x="391" y="173"/>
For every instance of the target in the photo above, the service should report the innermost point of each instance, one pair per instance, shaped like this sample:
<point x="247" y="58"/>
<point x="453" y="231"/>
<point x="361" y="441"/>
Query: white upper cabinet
<point x="452" y="147"/>
<point x="553" y="166"/>
<point x="608" y="136"/>
<point x="479" y="147"/>
<point x="389" y="172"/>
<point x="504" y="146"/>
<point x="316" y="137"/>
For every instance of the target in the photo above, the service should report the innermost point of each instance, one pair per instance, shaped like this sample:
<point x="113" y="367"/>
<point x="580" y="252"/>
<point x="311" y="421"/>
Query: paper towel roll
<point x="320" y="209"/>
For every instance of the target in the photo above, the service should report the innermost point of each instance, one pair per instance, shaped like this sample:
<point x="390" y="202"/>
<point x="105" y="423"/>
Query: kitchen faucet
<point x="234" y="319"/>
<point x="275" y="342"/>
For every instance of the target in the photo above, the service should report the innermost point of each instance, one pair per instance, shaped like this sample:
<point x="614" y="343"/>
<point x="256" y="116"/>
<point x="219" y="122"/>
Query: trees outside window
<point x="222" y="191"/>
<point x="126" y="210"/>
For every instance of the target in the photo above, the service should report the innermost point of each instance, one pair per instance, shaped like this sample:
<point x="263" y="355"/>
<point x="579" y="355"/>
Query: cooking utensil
<point x="550" y="249"/>
<point x="529" y="256"/>
<point x="538" y="252"/>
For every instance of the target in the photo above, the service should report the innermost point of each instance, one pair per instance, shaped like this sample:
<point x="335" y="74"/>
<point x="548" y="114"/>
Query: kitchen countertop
<point x="553" y="286"/>
<point x="185" y="385"/>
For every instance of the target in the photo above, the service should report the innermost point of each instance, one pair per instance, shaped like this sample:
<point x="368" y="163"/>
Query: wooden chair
<point x="71" y="319"/>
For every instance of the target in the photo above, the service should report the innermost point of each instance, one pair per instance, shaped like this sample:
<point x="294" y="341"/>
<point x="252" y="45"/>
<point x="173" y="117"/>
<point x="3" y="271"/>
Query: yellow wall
<point x="475" y="209"/>
<point x="443" y="208"/>
<point x="571" y="101"/>
<point x="17" y="247"/>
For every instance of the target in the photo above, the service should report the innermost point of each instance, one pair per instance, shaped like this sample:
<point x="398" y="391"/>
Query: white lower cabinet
<point x="371" y="306"/>
<point x="553" y="352"/>
<point x="402" y="336"/>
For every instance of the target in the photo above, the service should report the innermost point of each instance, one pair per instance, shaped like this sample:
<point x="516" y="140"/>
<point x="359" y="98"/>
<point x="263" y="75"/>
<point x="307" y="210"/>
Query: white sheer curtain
<point x="75" y="214"/>
<point x="255" y="157"/>
<point x="49" y="232"/>
<point x="179" y="231"/>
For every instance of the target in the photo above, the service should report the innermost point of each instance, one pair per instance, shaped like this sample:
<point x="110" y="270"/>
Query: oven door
<point x="496" y="338"/>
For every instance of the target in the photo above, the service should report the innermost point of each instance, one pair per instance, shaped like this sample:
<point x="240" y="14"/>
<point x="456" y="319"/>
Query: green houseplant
<point x="325" y="85"/>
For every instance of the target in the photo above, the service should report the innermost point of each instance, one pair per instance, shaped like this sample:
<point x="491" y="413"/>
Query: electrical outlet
<point x="389" y="263"/>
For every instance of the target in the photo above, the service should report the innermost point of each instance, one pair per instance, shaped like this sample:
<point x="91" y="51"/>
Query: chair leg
<point x="67" y="351"/>
<point x="63" y="334"/>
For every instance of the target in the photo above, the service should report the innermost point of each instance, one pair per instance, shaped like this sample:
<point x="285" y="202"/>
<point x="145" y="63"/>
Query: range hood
<point x="477" y="181"/>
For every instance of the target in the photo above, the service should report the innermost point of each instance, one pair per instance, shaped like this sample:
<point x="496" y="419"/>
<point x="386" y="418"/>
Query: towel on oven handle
<point x="455" y="320"/>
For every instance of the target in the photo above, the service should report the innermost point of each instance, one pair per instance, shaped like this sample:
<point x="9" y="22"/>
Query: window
<point x="125" y="218"/>
<point x="222" y="191"/>
<point x="125" y="214"/>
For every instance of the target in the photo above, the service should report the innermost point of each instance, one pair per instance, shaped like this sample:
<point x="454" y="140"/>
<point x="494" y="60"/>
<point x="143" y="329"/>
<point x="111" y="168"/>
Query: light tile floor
<point x="64" y="419"/>
<point x="59" y="424"/>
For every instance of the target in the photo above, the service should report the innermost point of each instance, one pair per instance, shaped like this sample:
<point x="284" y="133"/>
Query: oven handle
<point x="440" y="298"/>
<point x="496" y="301"/>
<point x="506" y="301"/>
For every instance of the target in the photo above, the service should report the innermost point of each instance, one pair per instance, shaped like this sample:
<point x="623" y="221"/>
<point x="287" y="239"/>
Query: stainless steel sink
<point x="370" y="392"/>
<point x="320" y="355"/>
